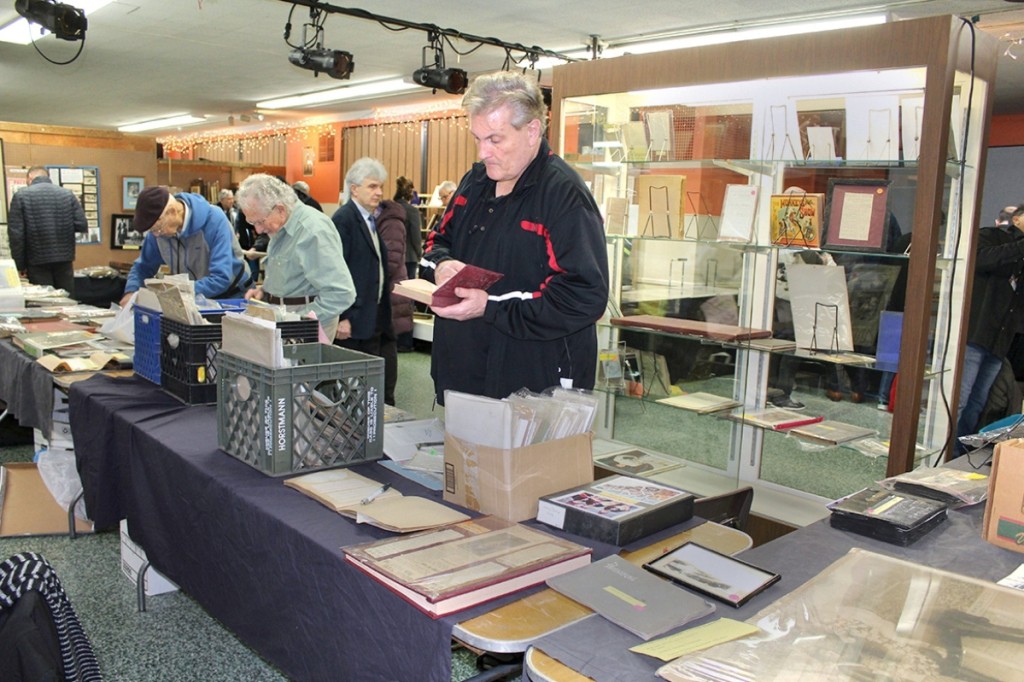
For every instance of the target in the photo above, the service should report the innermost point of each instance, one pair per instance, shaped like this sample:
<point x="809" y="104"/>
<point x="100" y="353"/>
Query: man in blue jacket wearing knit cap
<point x="190" y="236"/>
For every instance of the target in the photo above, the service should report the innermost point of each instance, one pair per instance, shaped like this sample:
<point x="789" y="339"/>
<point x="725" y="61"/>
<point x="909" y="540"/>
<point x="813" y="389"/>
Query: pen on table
<point x="375" y="494"/>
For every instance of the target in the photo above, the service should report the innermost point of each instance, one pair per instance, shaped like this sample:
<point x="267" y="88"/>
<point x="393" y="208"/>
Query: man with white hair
<point x="305" y="269"/>
<point x="301" y="188"/>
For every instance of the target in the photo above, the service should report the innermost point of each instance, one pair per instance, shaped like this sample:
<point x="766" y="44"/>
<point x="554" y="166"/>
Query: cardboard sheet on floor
<point x="29" y="508"/>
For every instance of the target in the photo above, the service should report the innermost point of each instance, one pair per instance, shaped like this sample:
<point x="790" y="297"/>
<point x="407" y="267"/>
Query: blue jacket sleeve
<point x="145" y="266"/>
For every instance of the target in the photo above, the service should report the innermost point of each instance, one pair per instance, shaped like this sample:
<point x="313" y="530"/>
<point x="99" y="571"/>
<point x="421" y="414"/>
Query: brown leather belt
<point x="288" y="300"/>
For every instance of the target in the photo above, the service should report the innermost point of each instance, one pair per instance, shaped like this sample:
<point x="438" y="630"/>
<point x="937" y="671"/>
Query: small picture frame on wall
<point x="856" y="214"/>
<point x="122" y="234"/>
<point x="130" y="188"/>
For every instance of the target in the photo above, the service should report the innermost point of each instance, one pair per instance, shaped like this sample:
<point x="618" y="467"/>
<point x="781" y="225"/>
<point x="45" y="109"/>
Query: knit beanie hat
<point x="149" y="207"/>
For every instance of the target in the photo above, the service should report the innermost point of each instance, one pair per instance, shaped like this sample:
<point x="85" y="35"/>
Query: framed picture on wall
<point x="130" y="188"/>
<point x="122" y="236"/>
<point x="856" y="214"/>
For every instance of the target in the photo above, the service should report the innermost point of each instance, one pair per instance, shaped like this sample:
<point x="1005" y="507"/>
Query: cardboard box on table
<point x="508" y="482"/>
<point x="1004" y="511"/>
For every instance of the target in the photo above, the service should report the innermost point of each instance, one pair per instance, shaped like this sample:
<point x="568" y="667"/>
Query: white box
<point x="132" y="558"/>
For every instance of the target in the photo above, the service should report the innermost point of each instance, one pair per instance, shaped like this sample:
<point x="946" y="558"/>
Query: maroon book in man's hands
<point x="469" y="277"/>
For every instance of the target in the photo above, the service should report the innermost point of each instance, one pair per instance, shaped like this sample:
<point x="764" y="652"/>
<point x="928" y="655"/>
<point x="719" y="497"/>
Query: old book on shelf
<point x="367" y="501"/>
<point x="676" y="325"/>
<point x="449" y="569"/>
<point x="700" y="402"/>
<point x="776" y="418"/>
<point x="631" y="598"/>
<point x="617" y="510"/>
<point x="831" y="432"/>
<point x="796" y="219"/>
<point x="885" y="515"/>
<point x="428" y="293"/>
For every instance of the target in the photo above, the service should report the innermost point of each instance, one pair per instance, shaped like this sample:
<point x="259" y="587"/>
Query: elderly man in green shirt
<point x="305" y="266"/>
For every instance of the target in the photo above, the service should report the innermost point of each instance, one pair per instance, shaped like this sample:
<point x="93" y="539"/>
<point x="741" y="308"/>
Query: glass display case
<point x="760" y="203"/>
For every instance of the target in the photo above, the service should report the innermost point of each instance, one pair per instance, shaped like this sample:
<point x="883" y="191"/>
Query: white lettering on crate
<point x="268" y="426"/>
<point x="282" y="432"/>
<point x="371" y="414"/>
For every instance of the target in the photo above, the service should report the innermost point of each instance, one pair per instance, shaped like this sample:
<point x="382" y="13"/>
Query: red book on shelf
<point x="777" y="419"/>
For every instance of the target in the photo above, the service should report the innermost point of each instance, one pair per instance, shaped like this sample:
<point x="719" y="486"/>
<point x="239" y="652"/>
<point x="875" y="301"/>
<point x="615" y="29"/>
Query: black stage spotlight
<point x="452" y="81"/>
<point x="63" y="21"/>
<point x="335" y="63"/>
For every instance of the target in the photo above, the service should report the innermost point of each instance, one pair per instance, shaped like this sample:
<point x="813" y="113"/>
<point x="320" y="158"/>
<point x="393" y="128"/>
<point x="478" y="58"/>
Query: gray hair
<point x="224" y="193"/>
<point x="364" y="168"/>
<point x="264" y="192"/>
<point x="301" y="186"/>
<point x="521" y="93"/>
<point x="447" y="185"/>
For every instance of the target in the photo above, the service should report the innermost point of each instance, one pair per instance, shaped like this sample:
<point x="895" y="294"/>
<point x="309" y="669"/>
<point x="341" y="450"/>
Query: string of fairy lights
<point x="385" y="121"/>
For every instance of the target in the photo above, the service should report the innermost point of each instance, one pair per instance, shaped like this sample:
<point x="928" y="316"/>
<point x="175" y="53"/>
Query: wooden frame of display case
<point x="941" y="45"/>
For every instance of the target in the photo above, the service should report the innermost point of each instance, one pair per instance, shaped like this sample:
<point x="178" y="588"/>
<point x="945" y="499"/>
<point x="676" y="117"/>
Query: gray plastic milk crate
<point x="327" y="411"/>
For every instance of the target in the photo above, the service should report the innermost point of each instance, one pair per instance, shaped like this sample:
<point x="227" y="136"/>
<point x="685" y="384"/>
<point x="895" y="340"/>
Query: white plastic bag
<point x="59" y="473"/>
<point x="122" y="325"/>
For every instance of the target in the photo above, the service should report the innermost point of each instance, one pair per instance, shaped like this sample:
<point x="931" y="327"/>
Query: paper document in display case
<point x="631" y="598"/>
<point x="617" y="510"/>
<point x="449" y="569"/>
<point x="888" y="516"/>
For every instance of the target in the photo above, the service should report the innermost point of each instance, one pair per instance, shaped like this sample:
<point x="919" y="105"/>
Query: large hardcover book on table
<point x="37" y="344"/>
<point x="616" y="510"/>
<point x="449" y="569"/>
<point x="631" y="597"/>
<point x="886" y="515"/>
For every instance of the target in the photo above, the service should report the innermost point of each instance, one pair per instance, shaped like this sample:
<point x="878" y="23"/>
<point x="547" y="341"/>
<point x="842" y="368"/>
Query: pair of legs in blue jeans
<point x="976" y="378"/>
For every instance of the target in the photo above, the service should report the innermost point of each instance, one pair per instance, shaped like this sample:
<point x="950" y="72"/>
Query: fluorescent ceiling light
<point x="700" y="39"/>
<point x="169" y="122"/>
<point x="348" y="92"/>
<point x="754" y="33"/>
<point x="21" y="32"/>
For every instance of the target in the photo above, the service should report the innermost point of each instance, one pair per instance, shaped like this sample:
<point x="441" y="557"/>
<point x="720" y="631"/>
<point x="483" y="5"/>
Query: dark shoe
<point x="834" y="396"/>
<point x="785" y="402"/>
<point x="857" y="397"/>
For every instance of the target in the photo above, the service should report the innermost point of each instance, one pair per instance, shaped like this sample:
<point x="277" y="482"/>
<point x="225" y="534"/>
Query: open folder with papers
<point x="367" y="501"/>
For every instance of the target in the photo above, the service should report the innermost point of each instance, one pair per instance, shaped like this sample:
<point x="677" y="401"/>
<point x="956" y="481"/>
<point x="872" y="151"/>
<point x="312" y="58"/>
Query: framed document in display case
<point x="856" y="214"/>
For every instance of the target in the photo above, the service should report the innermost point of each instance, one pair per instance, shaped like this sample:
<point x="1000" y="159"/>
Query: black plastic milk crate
<point x="188" y="355"/>
<point x="326" y="411"/>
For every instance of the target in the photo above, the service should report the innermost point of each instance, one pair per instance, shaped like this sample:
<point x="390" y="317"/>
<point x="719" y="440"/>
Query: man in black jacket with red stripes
<point x="523" y="212"/>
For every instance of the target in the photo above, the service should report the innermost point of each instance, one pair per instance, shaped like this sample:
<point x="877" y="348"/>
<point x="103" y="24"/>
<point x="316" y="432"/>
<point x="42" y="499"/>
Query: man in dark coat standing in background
<point x="366" y="325"/>
<point x="42" y="225"/>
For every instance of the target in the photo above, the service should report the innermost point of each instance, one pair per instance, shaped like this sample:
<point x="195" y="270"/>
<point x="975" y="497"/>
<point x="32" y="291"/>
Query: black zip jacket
<point x="547" y="238"/>
<point x="997" y="309"/>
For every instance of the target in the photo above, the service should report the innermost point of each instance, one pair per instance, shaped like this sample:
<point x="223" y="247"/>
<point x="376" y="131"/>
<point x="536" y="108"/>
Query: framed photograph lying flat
<point x="856" y="214"/>
<point x="716" y="575"/>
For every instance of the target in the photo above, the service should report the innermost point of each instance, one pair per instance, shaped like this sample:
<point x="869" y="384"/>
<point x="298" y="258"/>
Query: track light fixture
<point x="434" y="74"/>
<point x="63" y="21"/>
<point x="312" y="55"/>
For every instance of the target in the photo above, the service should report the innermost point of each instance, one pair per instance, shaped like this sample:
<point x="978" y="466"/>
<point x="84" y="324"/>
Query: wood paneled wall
<point x="400" y="147"/>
